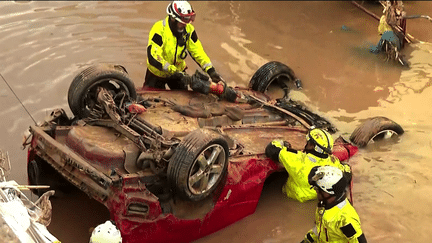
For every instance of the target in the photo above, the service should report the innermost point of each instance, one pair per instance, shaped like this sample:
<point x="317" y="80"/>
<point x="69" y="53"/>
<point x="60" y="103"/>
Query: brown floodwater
<point x="44" y="44"/>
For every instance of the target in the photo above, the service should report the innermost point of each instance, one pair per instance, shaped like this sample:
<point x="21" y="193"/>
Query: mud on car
<point x="189" y="165"/>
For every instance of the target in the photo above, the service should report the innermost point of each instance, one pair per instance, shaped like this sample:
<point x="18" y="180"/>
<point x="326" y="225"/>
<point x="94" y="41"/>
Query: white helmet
<point x="106" y="233"/>
<point x="181" y="11"/>
<point x="328" y="178"/>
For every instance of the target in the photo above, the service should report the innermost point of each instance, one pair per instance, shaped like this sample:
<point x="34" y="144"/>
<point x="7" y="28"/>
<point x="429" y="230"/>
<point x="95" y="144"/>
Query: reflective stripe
<point x="165" y="67"/>
<point x="342" y="204"/>
<point x="315" y="230"/>
<point x="312" y="159"/>
<point x="207" y="65"/>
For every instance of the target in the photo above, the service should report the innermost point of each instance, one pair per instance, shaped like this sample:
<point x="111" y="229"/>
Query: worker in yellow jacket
<point x="170" y="41"/>
<point x="336" y="220"/>
<point x="298" y="164"/>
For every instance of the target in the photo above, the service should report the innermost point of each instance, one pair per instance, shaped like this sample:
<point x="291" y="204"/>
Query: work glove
<point x="200" y="83"/>
<point x="214" y="75"/>
<point x="184" y="77"/>
<point x="229" y="94"/>
<point x="282" y="143"/>
<point x="286" y="144"/>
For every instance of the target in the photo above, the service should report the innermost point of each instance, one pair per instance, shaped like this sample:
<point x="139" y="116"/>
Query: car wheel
<point x="374" y="129"/>
<point x="82" y="94"/>
<point x="270" y="72"/>
<point x="40" y="173"/>
<point x="198" y="165"/>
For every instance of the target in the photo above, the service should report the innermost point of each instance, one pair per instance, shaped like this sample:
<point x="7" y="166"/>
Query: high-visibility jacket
<point x="298" y="164"/>
<point x="166" y="54"/>
<point x="383" y="26"/>
<point x="338" y="224"/>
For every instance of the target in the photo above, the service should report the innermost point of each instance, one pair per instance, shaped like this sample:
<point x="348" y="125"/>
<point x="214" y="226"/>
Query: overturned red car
<point x="187" y="166"/>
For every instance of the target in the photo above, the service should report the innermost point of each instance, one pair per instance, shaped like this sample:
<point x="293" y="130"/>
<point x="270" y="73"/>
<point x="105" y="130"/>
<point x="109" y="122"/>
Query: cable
<point x="18" y="99"/>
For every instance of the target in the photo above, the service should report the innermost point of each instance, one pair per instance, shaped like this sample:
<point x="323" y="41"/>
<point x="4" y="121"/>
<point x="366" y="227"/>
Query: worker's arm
<point x="350" y="228"/>
<point x="197" y="52"/>
<point x="155" y="50"/>
<point x="274" y="148"/>
<point x="311" y="236"/>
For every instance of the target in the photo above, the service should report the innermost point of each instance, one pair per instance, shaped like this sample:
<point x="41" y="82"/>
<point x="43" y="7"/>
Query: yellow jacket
<point x="298" y="165"/>
<point x="165" y="54"/>
<point x="339" y="224"/>
<point x="383" y="26"/>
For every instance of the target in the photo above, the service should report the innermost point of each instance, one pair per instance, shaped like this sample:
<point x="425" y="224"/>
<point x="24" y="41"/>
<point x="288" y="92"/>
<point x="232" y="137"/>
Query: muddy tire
<point x="270" y="72"/>
<point x="199" y="165"/>
<point x="82" y="91"/>
<point x="39" y="172"/>
<point x="374" y="129"/>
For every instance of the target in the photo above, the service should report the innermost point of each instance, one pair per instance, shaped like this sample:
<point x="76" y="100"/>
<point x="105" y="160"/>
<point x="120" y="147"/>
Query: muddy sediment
<point x="43" y="45"/>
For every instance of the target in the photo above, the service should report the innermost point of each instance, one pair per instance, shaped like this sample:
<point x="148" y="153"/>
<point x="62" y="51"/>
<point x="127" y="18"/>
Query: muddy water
<point x="44" y="44"/>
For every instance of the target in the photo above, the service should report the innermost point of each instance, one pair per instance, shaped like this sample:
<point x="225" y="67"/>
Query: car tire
<point x="191" y="180"/>
<point x="40" y="173"/>
<point x="270" y="72"/>
<point x="82" y="91"/>
<point x="373" y="129"/>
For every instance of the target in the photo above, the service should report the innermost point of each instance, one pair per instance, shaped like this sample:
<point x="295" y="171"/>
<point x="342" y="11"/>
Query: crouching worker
<point x="336" y="220"/>
<point x="298" y="164"/>
<point x="170" y="41"/>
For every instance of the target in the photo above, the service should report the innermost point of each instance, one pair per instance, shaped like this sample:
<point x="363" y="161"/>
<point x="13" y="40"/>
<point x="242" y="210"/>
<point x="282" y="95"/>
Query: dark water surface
<point x="43" y="45"/>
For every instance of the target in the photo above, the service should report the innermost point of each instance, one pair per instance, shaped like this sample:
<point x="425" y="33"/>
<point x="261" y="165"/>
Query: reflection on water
<point x="43" y="45"/>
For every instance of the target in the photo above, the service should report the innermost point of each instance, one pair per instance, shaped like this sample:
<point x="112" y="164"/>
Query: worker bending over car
<point x="170" y="41"/>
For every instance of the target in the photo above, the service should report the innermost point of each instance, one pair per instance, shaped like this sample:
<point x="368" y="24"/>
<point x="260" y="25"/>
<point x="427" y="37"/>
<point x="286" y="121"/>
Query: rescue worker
<point x="336" y="220"/>
<point x="298" y="164"/>
<point x="170" y="41"/>
<point x="392" y="26"/>
<point x="106" y="233"/>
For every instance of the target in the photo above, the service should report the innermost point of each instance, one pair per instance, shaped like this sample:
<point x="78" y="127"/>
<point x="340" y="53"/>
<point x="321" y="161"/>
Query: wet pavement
<point x="43" y="45"/>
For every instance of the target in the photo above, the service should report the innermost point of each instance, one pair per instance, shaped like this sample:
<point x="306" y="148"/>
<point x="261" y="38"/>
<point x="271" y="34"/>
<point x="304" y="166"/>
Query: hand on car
<point x="286" y="144"/>
<point x="283" y="143"/>
<point x="214" y="75"/>
<point x="184" y="77"/>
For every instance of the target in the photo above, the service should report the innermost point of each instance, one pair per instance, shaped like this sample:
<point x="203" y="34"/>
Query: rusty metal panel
<point x="71" y="166"/>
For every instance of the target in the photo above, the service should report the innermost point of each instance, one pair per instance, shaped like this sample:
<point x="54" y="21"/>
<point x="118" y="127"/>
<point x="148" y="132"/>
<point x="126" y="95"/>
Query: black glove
<point x="200" y="83"/>
<point x="286" y="144"/>
<point x="272" y="152"/>
<point x="214" y="75"/>
<point x="182" y="76"/>
<point x="229" y="94"/>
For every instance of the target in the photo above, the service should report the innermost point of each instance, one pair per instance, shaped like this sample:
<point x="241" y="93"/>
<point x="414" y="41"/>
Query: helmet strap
<point x="174" y="28"/>
<point x="333" y="200"/>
